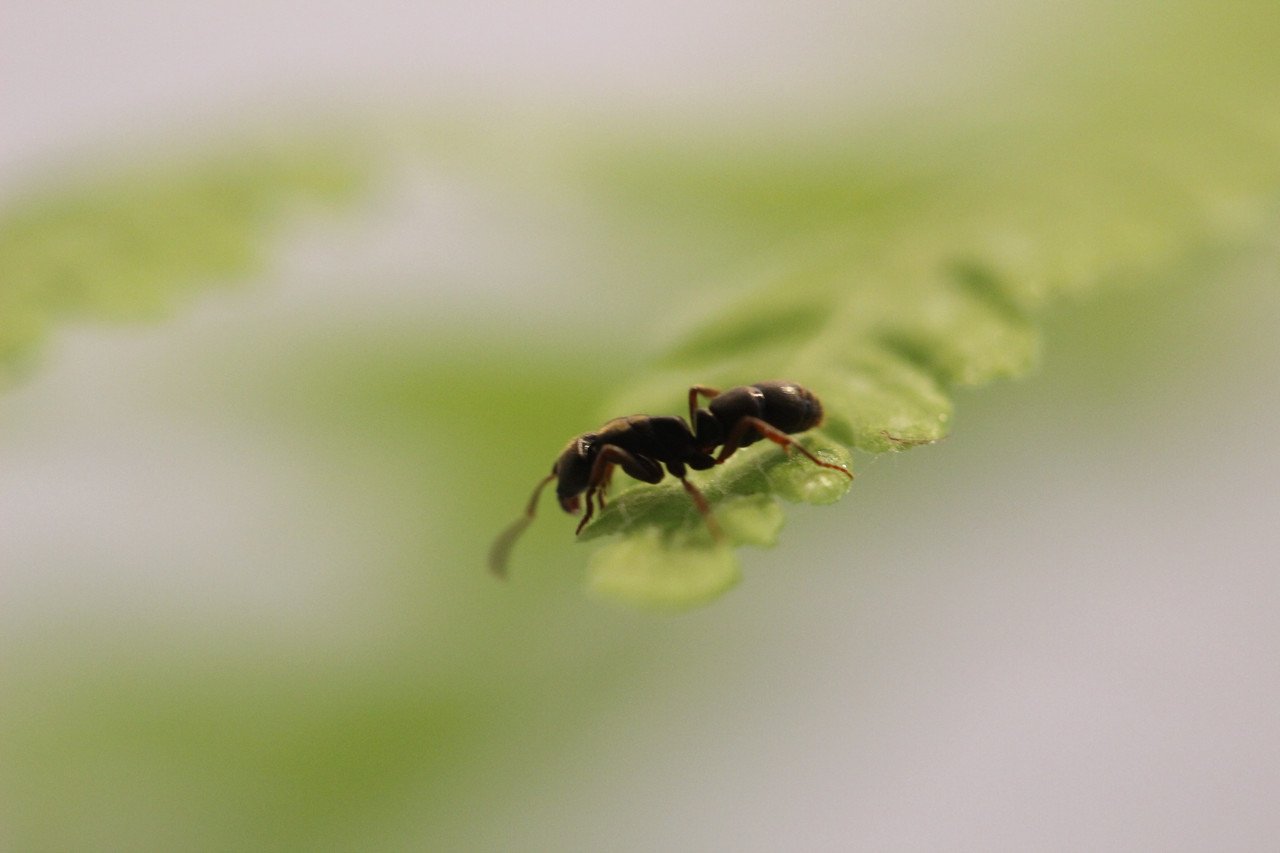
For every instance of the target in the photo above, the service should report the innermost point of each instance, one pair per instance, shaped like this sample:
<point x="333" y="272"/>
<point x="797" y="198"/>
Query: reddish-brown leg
<point x="596" y="492"/>
<point x="775" y="435"/>
<point x="700" y="501"/>
<point x="699" y="391"/>
<point x="604" y="485"/>
<point x="645" y="470"/>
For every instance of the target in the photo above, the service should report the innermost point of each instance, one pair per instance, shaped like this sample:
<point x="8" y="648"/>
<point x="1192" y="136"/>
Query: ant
<point x="641" y="444"/>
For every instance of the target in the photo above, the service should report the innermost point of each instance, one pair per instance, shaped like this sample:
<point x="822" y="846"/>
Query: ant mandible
<point x="640" y="445"/>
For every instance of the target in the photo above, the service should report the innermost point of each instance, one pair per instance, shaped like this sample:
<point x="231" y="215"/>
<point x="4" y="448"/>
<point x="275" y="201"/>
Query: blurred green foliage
<point x="125" y="245"/>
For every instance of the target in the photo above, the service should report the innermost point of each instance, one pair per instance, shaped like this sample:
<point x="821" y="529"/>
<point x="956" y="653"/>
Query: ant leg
<point x="640" y="467"/>
<point x="500" y="551"/>
<point x="775" y="435"/>
<point x="597" y="492"/>
<point x="694" y="393"/>
<point x="604" y="485"/>
<point x="700" y="501"/>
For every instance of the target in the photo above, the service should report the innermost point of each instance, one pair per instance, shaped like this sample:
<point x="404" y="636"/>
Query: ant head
<point x="573" y="471"/>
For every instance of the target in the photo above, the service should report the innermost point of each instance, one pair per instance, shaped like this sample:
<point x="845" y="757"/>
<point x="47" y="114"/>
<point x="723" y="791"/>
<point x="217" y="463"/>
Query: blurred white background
<point x="81" y="72"/>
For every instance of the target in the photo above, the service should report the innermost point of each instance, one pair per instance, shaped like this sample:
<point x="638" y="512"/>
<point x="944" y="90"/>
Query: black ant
<point x="641" y="445"/>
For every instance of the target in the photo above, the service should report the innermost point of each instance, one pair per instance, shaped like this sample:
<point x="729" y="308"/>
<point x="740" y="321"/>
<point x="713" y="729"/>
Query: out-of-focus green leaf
<point x="126" y="246"/>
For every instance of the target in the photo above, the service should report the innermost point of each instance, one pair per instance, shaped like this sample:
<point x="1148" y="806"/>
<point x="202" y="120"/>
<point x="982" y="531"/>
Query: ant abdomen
<point x="789" y="407"/>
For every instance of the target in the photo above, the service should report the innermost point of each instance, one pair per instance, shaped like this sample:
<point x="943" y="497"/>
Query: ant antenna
<point x="500" y="551"/>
